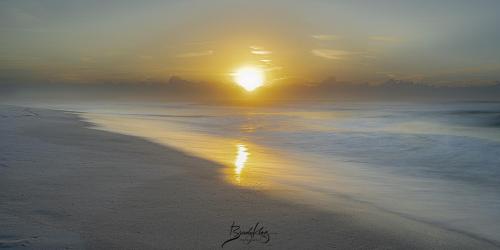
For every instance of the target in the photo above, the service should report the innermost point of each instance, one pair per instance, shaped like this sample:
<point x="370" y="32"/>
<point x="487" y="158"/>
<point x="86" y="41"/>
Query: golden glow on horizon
<point x="241" y="159"/>
<point x="249" y="78"/>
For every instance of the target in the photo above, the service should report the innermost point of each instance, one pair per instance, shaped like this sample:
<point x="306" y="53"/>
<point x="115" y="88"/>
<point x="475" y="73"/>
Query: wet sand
<point x="66" y="185"/>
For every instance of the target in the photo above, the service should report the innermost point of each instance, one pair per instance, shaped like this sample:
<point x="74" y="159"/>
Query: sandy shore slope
<point x="65" y="185"/>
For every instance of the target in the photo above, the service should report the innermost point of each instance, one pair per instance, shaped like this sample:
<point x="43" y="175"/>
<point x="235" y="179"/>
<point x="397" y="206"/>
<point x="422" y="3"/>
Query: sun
<point x="249" y="78"/>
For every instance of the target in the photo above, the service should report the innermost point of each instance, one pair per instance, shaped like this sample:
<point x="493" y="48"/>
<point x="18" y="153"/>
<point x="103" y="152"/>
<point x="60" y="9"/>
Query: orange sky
<point x="439" y="42"/>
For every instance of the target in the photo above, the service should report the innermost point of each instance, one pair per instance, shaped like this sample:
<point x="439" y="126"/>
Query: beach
<point x="65" y="184"/>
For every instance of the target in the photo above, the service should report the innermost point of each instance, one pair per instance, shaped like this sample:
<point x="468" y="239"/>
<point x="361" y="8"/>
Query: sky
<point x="448" y="42"/>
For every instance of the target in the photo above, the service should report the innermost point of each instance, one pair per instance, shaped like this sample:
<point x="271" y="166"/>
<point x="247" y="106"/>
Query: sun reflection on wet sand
<point x="238" y="169"/>
<point x="240" y="161"/>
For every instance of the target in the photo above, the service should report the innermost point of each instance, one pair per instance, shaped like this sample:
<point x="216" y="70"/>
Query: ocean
<point x="438" y="163"/>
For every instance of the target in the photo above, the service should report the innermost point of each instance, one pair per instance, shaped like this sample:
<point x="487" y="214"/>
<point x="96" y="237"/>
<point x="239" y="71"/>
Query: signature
<point x="256" y="233"/>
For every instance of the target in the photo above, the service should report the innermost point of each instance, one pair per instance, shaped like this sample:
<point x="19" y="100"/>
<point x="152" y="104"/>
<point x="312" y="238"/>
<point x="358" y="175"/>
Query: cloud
<point x="261" y="52"/>
<point x="402" y="77"/>
<point x="276" y="68"/>
<point x="196" y="54"/>
<point x="198" y="43"/>
<point x="388" y="39"/>
<point x="332" y="54"/>
<point x="324" y="37"/>
<point x="258" y="50"/>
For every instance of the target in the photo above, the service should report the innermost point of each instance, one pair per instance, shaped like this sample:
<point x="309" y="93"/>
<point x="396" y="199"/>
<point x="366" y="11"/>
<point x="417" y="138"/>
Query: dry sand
<point x="65" y="185"/>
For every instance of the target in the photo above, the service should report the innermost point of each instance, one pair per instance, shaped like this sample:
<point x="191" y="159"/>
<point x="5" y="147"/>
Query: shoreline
<point x="66" y="184"/>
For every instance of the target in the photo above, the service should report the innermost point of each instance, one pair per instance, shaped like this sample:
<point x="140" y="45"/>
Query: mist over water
<point x="438" y="163"/>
